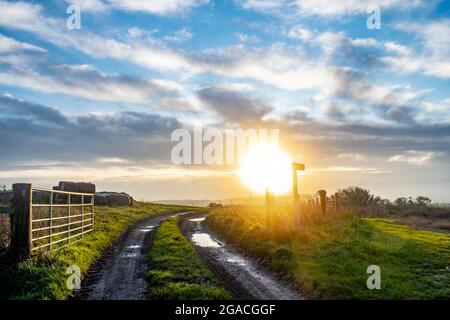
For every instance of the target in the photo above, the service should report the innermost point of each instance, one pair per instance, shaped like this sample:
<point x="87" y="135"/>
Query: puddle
<point x="205" y="240"/>
<point x="237" y="261"/>
<point x="147" y="229"/>
<point x="197" y="219"/>
<point x="132" y="251"/>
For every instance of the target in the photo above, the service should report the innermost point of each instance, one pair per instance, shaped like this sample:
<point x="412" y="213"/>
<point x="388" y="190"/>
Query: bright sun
<point x="264" y="166"/>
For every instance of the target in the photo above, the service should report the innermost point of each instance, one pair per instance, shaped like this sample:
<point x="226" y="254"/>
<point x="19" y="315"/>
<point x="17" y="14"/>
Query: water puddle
<point x="197" y="219"/>
<point x="133" y="247"/>
<point x="147" y="229"/>
<point x="132" y="251"/>
<point x="237" y="261"/>
<point x="205" y="240"/>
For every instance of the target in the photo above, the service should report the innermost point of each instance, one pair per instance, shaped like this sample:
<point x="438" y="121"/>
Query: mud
<point x="119" y="274"/>
<point x="244" y="277"/>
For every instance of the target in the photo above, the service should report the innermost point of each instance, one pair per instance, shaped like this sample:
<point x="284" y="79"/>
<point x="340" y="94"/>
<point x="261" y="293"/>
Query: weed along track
<point x="243" y="277"/>
<point x="120" y="274"/>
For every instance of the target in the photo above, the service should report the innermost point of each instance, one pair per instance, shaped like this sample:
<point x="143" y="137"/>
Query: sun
<point x="266" y="166"/>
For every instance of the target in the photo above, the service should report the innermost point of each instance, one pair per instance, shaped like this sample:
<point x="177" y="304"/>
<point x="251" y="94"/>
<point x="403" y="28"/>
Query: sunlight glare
<point x="264" y="166"/>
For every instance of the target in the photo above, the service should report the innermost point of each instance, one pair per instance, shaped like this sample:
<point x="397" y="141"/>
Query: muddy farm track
<point x="119" y="274"/>
<point x="241" y="275"/>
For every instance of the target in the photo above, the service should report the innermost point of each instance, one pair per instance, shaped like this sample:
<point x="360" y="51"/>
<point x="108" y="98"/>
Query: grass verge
<point x="44" y="276"/>
<point x="177" y="271"/>
<point x="328" y="257"/>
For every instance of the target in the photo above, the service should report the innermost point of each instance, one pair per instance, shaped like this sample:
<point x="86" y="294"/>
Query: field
<point x="44" y="276"/>
<point x="327" y="257"/>
<point x="176" y="269"/>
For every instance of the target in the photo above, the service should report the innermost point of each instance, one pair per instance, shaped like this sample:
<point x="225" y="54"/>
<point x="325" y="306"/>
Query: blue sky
<point x="358" y="106"/>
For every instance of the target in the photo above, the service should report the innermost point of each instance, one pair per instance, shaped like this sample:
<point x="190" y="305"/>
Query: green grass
<point x="328" y="257"/>
<point x="44" y="276"/>
<point x="176" y="269"/>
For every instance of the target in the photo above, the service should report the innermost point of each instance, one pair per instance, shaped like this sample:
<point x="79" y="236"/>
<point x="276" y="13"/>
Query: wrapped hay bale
<point x="118" y="200"/>
<point x="100" y="199"/>
<point x="113" y="199"/>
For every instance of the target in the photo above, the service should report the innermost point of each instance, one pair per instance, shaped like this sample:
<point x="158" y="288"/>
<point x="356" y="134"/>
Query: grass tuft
<point x="177" y="272"/>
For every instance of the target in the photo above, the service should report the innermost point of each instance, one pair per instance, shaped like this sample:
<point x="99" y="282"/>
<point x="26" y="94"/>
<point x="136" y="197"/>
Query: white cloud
<point x="326" y="8"/>
<point x="262" y="4"/>
<point x="245" y="38"/>
<point x="397" y="48"/>
<point x="28" y="17"/>
<point x="419" y="63"/>
<point x="357" y="157"/>
<point x="434" y="58"/>
<point x="331" y="41"/>
<point x="417" y="158"/>
<point x="272" y="65"/>
<point x="87" y="82"/>
<point x="10" y="45"/>
<point x="300" y="32"/>
<point x="156" y="7"/>
<point x="179" y="36"/>
<point x="20" y="15"/>
<point x="89" y="5"/>
<point x="365" y="42"/>
<point x="435" y="36"/>
<point x="162" y="7"/>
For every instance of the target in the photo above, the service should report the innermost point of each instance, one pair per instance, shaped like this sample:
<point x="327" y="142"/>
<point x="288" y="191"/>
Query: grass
<point x="176" y="269"/>
<point x="44" y="276"/>
<point x="328" y="257"/>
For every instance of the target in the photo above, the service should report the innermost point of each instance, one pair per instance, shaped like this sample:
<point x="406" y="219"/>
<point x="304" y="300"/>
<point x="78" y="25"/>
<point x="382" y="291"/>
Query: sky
<point x="357" y="105"/>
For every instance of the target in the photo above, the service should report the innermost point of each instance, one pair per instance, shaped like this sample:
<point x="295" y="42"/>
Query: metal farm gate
<point x="47" y="219"/>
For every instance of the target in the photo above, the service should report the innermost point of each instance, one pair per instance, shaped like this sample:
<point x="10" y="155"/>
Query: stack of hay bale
<point x="104" y="198"/>
<point x="69" y="186"/>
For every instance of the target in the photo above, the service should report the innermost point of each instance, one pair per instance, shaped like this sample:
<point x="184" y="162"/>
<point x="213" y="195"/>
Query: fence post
<point x="22" y="214"/>
<point x="336" y="198"/>
<point x="323" y="201"/>
<point x="82" y="218"/>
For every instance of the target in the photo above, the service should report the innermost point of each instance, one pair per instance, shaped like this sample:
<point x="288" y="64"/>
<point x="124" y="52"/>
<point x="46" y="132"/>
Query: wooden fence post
<point x="323" y="201"/>
<point x="268" y="207"/>
<point x="336" y="198"/>
<point x="296" y="197"/>
<point x="21" y="237"/>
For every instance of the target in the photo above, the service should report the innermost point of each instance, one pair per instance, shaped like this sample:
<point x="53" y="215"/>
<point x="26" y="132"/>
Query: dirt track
<point x="120" y="273"/>
<point x="244" y="277"/>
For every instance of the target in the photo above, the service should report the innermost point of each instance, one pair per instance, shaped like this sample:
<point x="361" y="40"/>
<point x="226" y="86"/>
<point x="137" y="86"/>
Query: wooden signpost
<point x="296" y="167"/>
